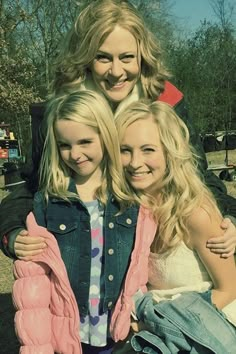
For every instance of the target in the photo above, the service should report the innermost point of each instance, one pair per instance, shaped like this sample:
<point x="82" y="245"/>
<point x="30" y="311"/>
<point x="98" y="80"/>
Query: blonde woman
<point x="191" y="304"/>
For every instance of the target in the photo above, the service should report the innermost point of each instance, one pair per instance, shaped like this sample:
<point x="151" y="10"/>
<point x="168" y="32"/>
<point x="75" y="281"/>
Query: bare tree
<point x="224" y="11"/>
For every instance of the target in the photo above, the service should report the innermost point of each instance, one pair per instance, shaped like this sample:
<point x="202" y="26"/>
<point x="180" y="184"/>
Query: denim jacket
<point x="189" y="323"/>
<point x="70" y="224"/>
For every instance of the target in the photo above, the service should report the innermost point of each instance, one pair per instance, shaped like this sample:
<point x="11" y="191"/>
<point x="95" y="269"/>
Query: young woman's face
<point x="80" y="149"/>
<point x="142" y="155"/>
<point x="116" y="69"/>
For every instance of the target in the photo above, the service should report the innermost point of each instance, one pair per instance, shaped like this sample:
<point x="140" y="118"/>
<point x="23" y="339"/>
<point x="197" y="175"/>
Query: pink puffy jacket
<point x="47" y="317"/>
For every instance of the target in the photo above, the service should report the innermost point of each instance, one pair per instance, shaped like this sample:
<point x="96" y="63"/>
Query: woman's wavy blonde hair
<point x="89" y="108"/>
<point x="89" y="31"/>
<point x="182" y="189"/>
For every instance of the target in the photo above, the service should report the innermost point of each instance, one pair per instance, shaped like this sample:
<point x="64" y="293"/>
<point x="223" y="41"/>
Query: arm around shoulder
<point x="202" y="225"/>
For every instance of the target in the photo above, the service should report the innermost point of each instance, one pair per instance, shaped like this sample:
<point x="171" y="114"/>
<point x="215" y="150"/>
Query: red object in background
<point x="3" y="153"/>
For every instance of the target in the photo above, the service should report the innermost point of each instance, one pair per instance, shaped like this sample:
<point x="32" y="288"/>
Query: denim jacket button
<point x="111" y="225"/>
<point x="128" y="221"/>
<point x="110" y="277"/>
<point x="110" y="251"/>
<point x="62" y="227"/>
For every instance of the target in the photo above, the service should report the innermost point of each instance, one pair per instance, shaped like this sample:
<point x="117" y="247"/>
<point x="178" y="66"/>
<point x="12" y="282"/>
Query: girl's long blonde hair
<point x="91" y="109"/>
<point x="89" y="31"/>
<point x="182" y="189"/>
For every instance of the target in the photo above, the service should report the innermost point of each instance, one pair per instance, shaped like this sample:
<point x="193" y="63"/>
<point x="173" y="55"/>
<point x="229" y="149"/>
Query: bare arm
<point x="224" y="245"/>
<point x="222" y="271"/>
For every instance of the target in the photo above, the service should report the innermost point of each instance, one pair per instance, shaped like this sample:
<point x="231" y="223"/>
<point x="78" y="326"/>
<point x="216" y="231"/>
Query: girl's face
<point x="80" y="148"/>
<point x="115" y="69"/>
<point x="142" y="155"/>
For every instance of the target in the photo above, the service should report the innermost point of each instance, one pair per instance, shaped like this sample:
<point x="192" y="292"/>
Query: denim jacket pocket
<point x="66" y="234"/>
<point x="67" y="239"/>
<point x="126" y="226"/>
<point x="62" y="227"/>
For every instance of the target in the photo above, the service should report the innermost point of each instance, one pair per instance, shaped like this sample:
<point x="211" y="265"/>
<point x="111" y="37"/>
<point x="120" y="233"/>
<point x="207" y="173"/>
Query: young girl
<point x="83" y="200"/>
<point x="199" y="314"/>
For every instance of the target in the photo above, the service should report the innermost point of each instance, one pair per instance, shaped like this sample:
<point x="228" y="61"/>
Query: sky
<point x="190" y="13"/>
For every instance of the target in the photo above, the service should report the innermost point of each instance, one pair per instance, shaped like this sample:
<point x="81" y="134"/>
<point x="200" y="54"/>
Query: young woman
<point x="84" y="202"/>
<point x="111" y="51"/>
<point x="192" y="307"/>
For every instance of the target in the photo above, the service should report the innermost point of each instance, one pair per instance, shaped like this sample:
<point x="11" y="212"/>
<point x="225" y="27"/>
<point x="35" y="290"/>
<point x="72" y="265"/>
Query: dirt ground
<point x="8" y="341"/>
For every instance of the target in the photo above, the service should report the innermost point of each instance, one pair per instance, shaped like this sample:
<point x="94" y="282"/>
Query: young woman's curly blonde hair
<point x="89" y="108"/>
<point x="181" y="190"/>
<point x="89" y="31"/>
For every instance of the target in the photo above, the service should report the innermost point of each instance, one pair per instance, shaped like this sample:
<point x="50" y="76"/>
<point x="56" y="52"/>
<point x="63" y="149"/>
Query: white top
<point x="181" y="271"/>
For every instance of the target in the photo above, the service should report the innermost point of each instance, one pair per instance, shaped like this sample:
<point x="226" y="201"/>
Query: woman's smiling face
<point x="143" y="156"/>
<point x="115" y="69"/>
